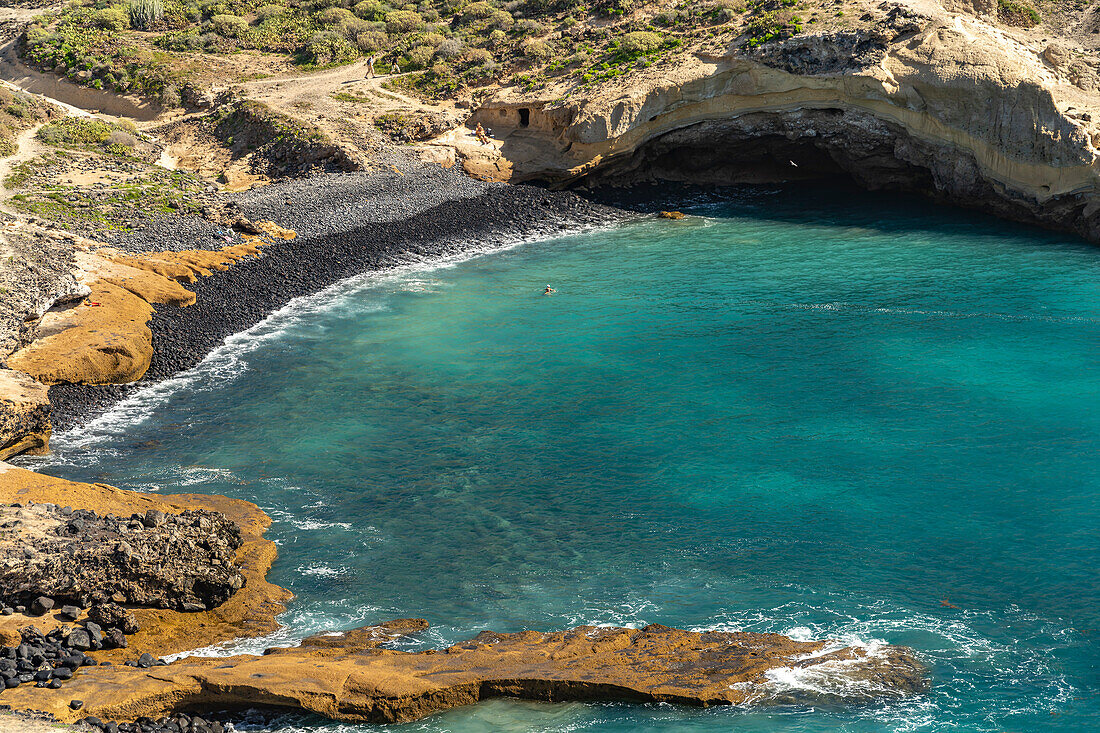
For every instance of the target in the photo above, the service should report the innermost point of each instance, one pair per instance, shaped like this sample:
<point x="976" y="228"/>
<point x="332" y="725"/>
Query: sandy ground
<point x="15" y="724"/>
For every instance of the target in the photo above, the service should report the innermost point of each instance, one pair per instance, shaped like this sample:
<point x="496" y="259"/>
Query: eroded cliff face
<point x="919" y="98"/>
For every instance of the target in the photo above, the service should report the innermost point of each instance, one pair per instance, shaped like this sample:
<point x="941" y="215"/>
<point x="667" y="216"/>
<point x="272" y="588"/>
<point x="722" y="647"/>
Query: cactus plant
<point x="143" y="13"/>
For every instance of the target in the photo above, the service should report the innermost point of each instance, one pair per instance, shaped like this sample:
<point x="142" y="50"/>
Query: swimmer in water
<point x="548" y="290"/>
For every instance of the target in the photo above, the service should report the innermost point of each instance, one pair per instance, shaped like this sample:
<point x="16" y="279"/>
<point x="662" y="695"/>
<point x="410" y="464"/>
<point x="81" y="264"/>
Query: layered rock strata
<point x="105" y="337"/>
<point x="24" y="415"/>
<point x="98" y="333"/>
<point x="182" y="561"/>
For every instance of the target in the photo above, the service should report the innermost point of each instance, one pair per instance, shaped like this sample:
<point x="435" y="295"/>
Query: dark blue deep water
<point x="821" y="415"/>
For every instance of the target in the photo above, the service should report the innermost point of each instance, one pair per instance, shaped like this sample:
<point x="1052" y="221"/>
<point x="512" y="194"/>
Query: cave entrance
<point x="524" y="117"/>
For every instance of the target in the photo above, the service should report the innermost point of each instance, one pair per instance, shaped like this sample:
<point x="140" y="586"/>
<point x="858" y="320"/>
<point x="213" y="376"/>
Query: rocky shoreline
<point x="347" y="224"/>
<point x="103" y="664"/>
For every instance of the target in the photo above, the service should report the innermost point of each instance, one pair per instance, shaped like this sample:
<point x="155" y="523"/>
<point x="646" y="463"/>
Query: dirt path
<point x="16" y="73"/>
<point x="26" y="147"/>
<point x="24" y="15"/>
<point x="311" y="95"/>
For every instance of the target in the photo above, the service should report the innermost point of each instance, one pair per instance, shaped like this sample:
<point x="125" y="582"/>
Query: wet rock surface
<point x="51" y="555"/>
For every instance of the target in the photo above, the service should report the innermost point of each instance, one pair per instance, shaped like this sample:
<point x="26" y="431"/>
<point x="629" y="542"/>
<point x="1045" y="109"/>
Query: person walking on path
<point x="370" y="66"/>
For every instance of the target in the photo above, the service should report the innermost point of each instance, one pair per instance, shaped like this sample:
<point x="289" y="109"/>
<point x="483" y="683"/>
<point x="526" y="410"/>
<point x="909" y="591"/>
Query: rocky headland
<point x="94" y="648"/>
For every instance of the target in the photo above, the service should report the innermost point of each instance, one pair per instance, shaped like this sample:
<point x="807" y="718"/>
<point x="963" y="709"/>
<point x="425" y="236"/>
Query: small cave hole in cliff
<point x="768" y="159"/>
<point x="524" y="117"/>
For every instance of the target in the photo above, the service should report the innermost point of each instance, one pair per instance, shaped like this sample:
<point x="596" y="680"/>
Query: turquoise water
<point x="821" y="415"/>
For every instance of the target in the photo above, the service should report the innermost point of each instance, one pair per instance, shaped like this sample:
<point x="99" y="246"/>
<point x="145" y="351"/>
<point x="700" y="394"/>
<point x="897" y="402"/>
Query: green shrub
<point x="420" y="56"/>
<point x="774" y="25"/>
<point x="536" y="49"/>
<point x="1019" y="13"/>
<point x="327" y="47"/>
<point x="114" y="18"/>
<point x="403" y="21"/>
<point x="370" y="10"/>
<point x="477" y="57"/>
<point x="501" y="19"/>
<point x="267" y="12"/>
<point x="449" y="48"/>
<point x="81" y="132"/>
<point x="639" y="43"/>
<point x="229" y="26"/>
<point x="435" y="40"/>
<point x="477" y="10"/>
<point x="528" y="27"/>
<point x="371" y="41"/>
<point x="334" y="16"/>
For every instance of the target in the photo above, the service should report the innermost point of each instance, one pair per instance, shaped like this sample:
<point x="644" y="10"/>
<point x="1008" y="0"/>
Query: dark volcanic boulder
<point x="41" y="605"/>
<point x="112" y="614"/>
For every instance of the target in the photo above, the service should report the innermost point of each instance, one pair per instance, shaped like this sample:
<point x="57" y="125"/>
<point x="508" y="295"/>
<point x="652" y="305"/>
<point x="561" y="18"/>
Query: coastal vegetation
<point x="152" y="47"/>
<point x="1019" y="13"/>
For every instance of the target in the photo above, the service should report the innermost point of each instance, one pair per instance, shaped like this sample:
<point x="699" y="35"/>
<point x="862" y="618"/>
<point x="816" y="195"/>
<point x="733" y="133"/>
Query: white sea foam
<point x="308" y="523"/>
<point x="969" y="660"/>
<point x="228" y="361"/>
<point x="297" y="625"/>
<point x="321" y="570"/>
<point x="629" y="614"/>
<point x="933" y="312"/>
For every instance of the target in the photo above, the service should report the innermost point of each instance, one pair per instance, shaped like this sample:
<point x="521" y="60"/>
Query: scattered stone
<point x="174" y="724"/>
<point x="112" y="614"/>
<point x="347" y="224"/>
<point x="70" y="613"/>
<point x="41" y="605"/>
<point x="76" y="704"/>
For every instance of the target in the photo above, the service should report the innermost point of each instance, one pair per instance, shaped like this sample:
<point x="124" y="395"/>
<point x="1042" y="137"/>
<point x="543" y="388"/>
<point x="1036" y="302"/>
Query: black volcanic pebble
<point x="47" y="660"/>
<point x="70" y="613"/>
<point x="179" y="723"/>
<point x="41" y="605"/>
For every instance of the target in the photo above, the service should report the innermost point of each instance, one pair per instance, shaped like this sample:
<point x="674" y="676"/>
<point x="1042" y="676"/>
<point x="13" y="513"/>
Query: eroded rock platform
<point x="352" y="676"/>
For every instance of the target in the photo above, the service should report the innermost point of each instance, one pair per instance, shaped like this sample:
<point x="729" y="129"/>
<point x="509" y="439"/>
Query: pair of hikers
<point x="394" y="69"/>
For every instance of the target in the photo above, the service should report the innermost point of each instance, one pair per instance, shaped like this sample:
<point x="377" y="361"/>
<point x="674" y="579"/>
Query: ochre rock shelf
<point x="352" y="677"/>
